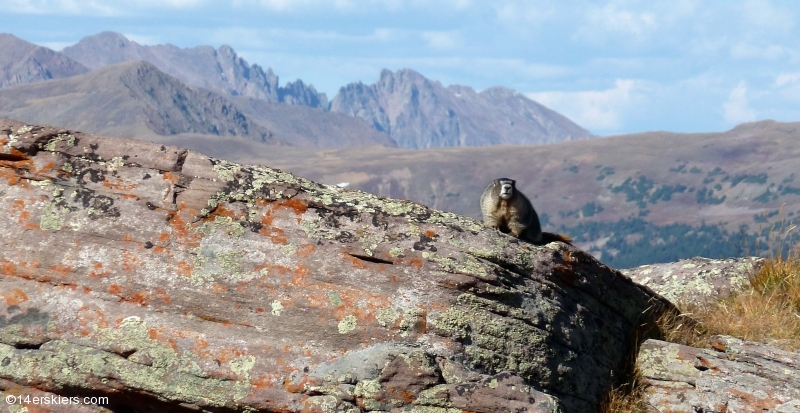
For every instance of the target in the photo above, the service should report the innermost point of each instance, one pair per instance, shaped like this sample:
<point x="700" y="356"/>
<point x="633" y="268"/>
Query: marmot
<point x="510" y="211"/>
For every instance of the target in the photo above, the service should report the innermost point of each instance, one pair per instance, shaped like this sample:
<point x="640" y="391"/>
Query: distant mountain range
<point x="135" y="99"/>
<point x="402" y="109"/>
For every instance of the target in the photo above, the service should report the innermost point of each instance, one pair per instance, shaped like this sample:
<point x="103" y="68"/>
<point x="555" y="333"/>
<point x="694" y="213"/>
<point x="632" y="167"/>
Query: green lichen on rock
<point x="221" y="223"/>
<point x="67" y="365"/>
<point x="435" y="397"/>
<point x="347" y="324"/>
<point x="448" y="218"/>
<point x="411" y="317"/>
<point x="171" y="374"/>
<point x="289" y="249"/>
<point x="334" y="298"/>
<point x="226" y="170"/>
<point x="217" y="257"/>
<point x="470" y="265"/>
<point x="242" y="365"/>
<point x="367" y="389"/>
<point x="24" y="129"/>
<point x="651" y="360"/>
<point x="326" y="403"/>
<point x="277" y="307"/>
<point x="115" y="163"/>
<point x="455" y="322"/>
<point x="52" y="218"/>
<point x="133" y="335"/>
<point x="61" y="137"/>
<point x="387" y="316"/>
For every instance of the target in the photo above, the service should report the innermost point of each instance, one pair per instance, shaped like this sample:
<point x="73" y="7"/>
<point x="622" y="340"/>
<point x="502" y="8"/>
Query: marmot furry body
<point x="510" y="211"/>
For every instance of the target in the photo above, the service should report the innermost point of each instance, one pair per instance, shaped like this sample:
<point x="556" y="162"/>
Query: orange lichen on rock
<point x="139" y="298"/>
<point x="14" y="297"/>
<point x="171" y="177"/>
<point x="130" y="261"/>
<point x="162" y="294"/>
<point x="180" y="230"/>
<point x="48" y="167"/>
<point x="97" y="271"/>
<point x="60" y="270"/>
<point x="220" y="210"/>
<point x="225" y="355"/>
<point x="17" y="205"/>
<point x="276" y="235"/>
<point x="8" y="268"/>
<point x="89" y="317"/>
<point x="183" y="268"/>
<point x="119" y="185"/>
<point x="296" y="205"/>
<point x="415" y="262"/>
<point x="11" y="177"/>
<point x="300" y="273"/>
<point x="305" y="250"/>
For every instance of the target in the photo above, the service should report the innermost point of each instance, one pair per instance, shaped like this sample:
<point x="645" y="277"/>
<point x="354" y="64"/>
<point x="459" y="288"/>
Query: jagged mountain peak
<point x="221" y="69"/>
<point x="23" y="62"/>
<point x="421" y="113"/>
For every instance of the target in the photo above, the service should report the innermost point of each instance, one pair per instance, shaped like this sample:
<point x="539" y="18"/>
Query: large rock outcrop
<point x="162" y="278"/>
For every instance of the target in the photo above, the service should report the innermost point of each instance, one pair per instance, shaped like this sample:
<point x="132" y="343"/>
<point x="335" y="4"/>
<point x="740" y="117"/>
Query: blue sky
<point x="611" y="66"/>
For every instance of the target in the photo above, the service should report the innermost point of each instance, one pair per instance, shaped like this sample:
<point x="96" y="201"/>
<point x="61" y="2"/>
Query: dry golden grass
<point x="768" y="310"/>
<point x="628" y="397"/>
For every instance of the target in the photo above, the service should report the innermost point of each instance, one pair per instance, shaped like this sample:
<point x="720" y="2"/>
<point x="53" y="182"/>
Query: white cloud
<point x="92" y="7"/>
<point x="596" y="110"/>
<point x="784" y="79"/>
<point x="735" y="109"/>
<point x="613" y="20"/>
<point x="523" y="12"/>
<point x="745" y="50"/>
<point x="349" y="5"/>
<point x="442" y="40"/>
<point x="766" y="14"/>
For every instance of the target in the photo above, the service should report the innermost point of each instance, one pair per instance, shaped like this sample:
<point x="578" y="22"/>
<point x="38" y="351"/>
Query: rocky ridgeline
<point x="220" y="69"/>
<point x="163" y="278"/>
<point x="421" y="113"/>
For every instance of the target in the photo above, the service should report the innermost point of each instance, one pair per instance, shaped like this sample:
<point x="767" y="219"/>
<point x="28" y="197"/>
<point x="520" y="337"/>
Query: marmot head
<point x="506" y="187"/>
